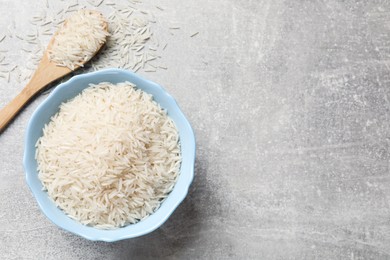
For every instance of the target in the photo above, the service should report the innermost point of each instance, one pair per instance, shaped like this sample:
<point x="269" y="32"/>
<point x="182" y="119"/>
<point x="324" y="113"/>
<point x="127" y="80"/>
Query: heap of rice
<point x="78" y="39"/>
<point x="109" y="156"/>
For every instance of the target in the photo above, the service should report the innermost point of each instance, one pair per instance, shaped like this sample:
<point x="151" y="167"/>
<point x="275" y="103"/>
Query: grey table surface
<point x="289" y="101"/>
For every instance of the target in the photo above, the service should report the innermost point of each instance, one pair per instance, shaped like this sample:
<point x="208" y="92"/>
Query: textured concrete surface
<point x="290" y="104"/>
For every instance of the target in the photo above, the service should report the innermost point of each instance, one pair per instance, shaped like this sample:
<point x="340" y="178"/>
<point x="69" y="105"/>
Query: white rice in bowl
<point x="110" y="156"/>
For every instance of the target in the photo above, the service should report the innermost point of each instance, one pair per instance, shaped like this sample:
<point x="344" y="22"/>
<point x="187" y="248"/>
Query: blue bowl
<point x="50" y="106"/>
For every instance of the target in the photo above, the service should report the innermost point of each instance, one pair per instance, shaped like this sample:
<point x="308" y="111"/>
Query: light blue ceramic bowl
<point x="68" y="90"/>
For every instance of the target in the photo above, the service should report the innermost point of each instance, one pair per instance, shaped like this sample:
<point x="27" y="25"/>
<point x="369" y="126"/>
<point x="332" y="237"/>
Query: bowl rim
<point x="113" y="234"/>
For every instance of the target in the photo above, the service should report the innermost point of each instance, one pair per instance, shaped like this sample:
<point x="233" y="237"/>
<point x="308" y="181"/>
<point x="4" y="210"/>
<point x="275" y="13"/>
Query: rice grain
<point x="110" y="156"/>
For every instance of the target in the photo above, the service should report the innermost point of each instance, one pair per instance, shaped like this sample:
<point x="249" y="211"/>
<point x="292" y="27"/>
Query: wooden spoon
<point x="46" y="73"/>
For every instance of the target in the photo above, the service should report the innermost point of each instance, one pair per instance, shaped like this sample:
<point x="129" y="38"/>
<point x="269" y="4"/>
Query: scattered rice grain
<point x="194" y="34"/>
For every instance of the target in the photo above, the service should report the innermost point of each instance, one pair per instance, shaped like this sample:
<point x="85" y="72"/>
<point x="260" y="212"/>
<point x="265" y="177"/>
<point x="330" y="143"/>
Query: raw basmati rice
<point x="109" y="156"/>
<point x="127" y="19"/>
<point x="78" y="39"/>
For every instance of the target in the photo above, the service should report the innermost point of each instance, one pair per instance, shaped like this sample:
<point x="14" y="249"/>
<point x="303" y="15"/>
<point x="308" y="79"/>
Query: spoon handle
<point x="13" y="107"/>
<point x="46" y="73"/>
